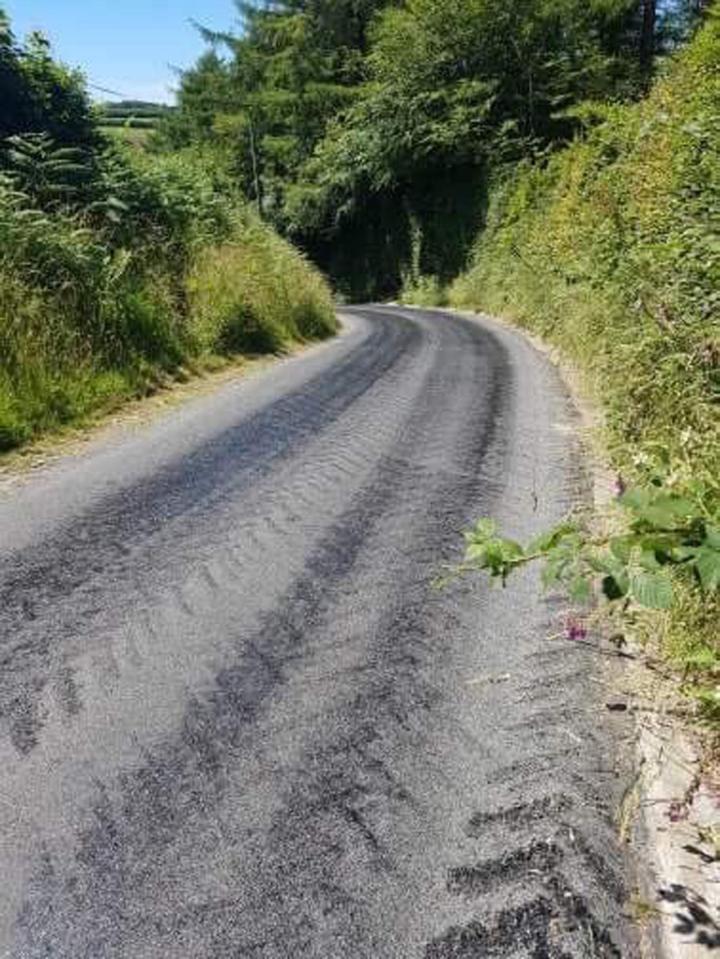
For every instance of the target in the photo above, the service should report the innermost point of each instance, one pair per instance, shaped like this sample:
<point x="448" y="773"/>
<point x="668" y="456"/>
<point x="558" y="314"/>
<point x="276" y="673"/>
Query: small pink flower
<point x="677" y="811"/>
<point x="575" y="629"/>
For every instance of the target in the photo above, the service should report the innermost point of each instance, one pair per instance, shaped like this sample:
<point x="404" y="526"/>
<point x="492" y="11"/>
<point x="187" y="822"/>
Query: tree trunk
<point x="647" y="35"/>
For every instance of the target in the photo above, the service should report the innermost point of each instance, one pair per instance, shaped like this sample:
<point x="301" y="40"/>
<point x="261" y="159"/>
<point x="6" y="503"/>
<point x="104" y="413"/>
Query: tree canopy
<point x="38" y="94"/>
<point x="350" y="121"/>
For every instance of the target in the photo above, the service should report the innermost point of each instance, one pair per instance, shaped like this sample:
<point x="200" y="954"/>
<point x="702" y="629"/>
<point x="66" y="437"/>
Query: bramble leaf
<point x="580" y="589"/>
<point x="664" y="530"/>
<point x="483" y="529"/>
<point x="658" y="510"/>
<point x="551" y="539"/>
<point x="707" y="563"/>
<point x="647" y="559"/>
<point x="651" y="590"/>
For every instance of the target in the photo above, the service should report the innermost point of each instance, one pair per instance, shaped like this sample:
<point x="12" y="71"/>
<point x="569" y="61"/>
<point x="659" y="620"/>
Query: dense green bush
<point x="117" y="266"/>
<point x="611" y="251"/>
<point x="138" y="274"/>
<point x="98" y="285"/>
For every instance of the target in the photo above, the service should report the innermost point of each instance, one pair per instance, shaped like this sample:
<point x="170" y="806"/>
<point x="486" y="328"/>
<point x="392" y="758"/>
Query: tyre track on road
<point x="272" y="741"/>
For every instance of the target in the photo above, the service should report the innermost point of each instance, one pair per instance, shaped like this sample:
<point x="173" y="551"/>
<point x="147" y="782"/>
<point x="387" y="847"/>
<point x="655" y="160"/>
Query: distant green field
<point x="135" y="136"/>
<point x="132" y="120"/>
<point x="125" y="109"/>
<point x="137" y="123"/>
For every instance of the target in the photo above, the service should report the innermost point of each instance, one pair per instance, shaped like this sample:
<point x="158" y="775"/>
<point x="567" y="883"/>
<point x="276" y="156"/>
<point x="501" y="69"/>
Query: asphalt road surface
<point x="237" y="719"/>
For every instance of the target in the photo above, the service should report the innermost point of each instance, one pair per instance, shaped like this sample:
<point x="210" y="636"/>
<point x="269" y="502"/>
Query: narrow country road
<point x="237" y="719"/>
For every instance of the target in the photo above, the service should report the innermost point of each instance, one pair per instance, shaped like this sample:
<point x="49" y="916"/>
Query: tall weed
<point x="255" y="293"/>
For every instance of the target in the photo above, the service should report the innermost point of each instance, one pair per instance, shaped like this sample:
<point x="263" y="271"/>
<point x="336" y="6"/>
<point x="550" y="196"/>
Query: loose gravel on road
<point x="237" y="717"/>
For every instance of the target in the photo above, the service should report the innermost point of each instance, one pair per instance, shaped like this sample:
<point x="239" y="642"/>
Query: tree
<point x="362" y="118"/>
<point x="293" y="66"/>
<point x="454" y="89"/>
<point x="39" y="95"/>
<point x="648" y="35"/>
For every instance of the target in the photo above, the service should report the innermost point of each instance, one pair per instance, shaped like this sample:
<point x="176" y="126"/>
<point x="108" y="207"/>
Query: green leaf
<point x="707" y="563"/>
<point x="648" y="560"/>
<point x="667" y="512"/>
<point x="682" y="554"/>
<point x="659" y="510"/>
<point x="637" y="500"/>
<point x="549" y="540"/>
<point x="603" y="563"/>
<point x="476" y="552"/>
<point x="580" y="589"/>
<point x="658" y="543"/>
<point x="651" y="590"/>
<point x="484" y="529"/>
<point x="511" y="550"/>
<point x="712" y="536"/>
<point x="556" y="568"/>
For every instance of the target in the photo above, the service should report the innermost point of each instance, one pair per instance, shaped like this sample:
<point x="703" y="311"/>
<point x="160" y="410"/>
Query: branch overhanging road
<point x="238" y="720"/>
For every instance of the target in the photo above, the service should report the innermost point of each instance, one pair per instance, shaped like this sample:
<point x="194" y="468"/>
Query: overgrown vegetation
<point x="611" y="250"/>
<point x="367" y="130"/>
<point x="662" y="555"/>
<point x="116" y="269"/>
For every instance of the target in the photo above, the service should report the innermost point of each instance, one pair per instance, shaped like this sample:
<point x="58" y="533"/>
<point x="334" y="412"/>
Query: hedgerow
<point x="611" y="251"/>
<point x="101" y="296"/>
<point x="110" y="258"/>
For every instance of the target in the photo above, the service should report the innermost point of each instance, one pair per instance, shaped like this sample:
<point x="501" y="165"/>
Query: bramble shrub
<point x="658" y="574"/>
<point x="663" y="535"/>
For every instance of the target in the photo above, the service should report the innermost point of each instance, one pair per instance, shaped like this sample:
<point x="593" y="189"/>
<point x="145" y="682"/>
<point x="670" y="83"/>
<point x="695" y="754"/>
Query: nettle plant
<point x="664" y="535"/>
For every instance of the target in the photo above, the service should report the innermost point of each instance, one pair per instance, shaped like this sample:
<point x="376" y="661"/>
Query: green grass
<point x="255" y="294"/>
<point x="611" y="251"/>
<point x="96" y="310"/>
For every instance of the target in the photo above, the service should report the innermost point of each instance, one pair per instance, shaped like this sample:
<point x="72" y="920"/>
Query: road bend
<point x="239" y="719"/>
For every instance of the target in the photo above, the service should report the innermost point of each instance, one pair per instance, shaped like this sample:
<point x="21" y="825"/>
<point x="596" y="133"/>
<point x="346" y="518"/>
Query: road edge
<point x="138" y="411"/>
<point x="668" y="804"/>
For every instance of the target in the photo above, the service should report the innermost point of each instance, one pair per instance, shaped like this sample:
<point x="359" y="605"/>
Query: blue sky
<point x="126" y="45"/>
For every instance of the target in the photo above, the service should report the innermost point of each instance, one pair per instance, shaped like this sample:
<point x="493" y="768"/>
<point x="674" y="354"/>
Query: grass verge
<point x="103" y="301"/>
<point x="610" y="251"/>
